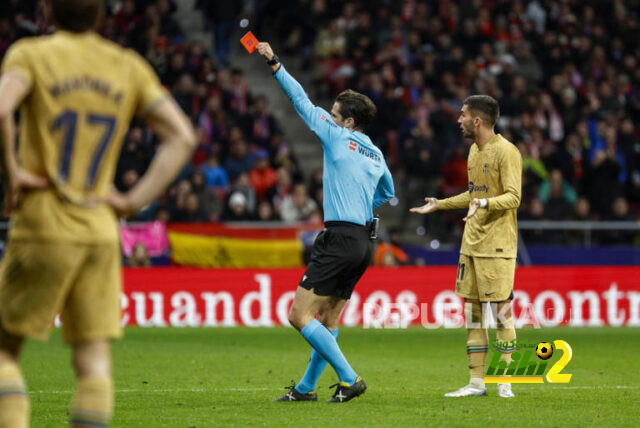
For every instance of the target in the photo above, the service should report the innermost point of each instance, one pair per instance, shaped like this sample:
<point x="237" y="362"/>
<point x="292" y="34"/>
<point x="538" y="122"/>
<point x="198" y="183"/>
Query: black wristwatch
<point x="273" y="61"/>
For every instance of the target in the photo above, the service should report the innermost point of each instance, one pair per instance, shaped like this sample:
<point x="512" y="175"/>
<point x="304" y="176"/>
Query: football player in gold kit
<point x="489" y="245"/>
<point x="76" y="93"/>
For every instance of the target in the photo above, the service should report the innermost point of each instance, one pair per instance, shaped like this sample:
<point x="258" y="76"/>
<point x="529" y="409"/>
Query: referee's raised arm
<point x="316" y="118"/>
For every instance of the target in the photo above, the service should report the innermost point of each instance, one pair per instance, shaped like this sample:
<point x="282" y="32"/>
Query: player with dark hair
<point x="77" y="94"/>
<point x="356" y="180"/>
<point x="489" y="245"/>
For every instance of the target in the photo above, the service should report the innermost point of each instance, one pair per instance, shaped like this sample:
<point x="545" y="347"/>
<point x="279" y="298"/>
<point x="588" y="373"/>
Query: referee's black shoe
<point x="345" y="392"/>
<point x="295" y="395"/>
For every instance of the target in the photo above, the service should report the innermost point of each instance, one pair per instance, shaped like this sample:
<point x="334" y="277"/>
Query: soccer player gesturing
<point x="355" y="181"/>
<point x="77" y="93"/>
<point x="489" y="244"/>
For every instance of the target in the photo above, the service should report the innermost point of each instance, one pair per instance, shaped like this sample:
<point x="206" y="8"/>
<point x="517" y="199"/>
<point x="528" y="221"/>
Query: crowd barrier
<point x="384" y="298"/>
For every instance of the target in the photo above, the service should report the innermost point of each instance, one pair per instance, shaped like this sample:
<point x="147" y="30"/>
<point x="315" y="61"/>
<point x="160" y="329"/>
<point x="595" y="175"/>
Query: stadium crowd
<point x="565" y="72"/>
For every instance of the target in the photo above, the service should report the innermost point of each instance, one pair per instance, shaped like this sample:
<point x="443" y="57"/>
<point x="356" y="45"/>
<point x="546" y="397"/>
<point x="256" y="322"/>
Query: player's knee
<point x="92" y="358"/>
<point x="299" y="318"/>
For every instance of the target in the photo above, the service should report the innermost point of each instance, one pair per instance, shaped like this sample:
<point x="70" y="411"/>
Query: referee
<point x="355" y="180"/>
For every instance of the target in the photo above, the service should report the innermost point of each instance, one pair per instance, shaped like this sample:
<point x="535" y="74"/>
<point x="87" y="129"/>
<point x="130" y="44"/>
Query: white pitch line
<point x="164" y="391"/>
<point x="596" y="387"/>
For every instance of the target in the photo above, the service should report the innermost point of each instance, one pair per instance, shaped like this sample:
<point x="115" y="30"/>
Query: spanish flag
<point x="224" y="246"/>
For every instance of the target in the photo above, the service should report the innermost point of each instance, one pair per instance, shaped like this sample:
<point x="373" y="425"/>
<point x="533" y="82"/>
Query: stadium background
<point x="567" y="77"/>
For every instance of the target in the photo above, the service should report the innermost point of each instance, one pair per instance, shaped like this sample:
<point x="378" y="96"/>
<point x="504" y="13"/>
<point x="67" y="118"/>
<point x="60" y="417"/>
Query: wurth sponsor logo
<point x="362" y="150"/>
<point x="323" y="117"/>
<point x="369" y="153"/>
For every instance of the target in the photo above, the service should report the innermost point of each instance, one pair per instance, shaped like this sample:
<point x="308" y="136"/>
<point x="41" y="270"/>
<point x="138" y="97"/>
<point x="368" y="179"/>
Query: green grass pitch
<point x="229" y="377"/>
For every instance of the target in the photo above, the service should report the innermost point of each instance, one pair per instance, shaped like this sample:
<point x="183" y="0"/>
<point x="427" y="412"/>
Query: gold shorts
<point x="487" y="279"/>
<point x="82" y="282"/>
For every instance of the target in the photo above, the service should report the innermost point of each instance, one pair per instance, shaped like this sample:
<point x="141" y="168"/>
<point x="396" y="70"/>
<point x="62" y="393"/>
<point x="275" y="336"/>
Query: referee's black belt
<point x="369" y="229"/>
<point x="328" y="224"/>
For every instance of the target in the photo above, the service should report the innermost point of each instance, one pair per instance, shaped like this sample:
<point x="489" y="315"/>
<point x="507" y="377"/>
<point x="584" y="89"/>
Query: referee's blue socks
<point x="326" y="345"/>
<point x="315" y="368"/>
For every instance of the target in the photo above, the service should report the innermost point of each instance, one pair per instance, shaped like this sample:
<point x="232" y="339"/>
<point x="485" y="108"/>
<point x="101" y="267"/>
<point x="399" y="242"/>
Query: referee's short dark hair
<point x="484" y="106"/>
<point x="77" y="16"/>
<point x="358" y="106"/>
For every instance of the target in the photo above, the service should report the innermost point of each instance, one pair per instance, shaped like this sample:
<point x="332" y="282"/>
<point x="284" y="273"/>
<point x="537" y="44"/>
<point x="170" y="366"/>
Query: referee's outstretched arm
<point x="316" y="118"/>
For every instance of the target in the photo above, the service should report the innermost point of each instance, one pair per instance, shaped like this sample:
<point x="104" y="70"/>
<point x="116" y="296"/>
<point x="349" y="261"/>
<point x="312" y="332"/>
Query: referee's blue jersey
<point x="356" y="178"/>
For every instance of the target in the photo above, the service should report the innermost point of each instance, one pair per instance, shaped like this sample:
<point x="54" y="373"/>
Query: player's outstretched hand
<point x="473" y="208"/>
<point x="429" y="207"/>
<point x="21" y="179"/>
<point x="265" y="50"/>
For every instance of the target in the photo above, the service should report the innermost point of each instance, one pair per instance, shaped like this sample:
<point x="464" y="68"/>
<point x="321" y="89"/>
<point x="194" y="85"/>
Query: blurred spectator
<point x="134" y="158"/>
<point x="298" y="206"/>
<point x="281" y="189"/>
<point x="139" y="256"/>
<point x="582" y="210"/>
<point x="262" y="176"/>
<point x="163" y="215"/>
<point x="210" y="199"/>
<point x="238" y="93"/>
<point x="390" y="253"/>
<point x="192" y="212"/>
<point x="315" y="186"/>
<point x="558" y="196"/>
<point x="259" y="125"/>
<point x="215" y="175"/>
<point x="184" y="93"/>
<point x="214" y="123"/>
<point x="282" y="156"/>
<point x="265" y="212"/>
<point x="243" y="185"/>
<point x="315" y="217"/>
<point x="168" y="25"/>
<point x="178" y="199"/>
<point x="239" y="161"/>
<point x="603" y="180"/>
<point x="619" y="212"/>
<point x="535" y="212"/>
<point x="175" y="69"/>
<point x="237" y="208"/>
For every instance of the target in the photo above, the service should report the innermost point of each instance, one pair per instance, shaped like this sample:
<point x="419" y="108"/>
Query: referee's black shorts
<point x="340" y="255"/>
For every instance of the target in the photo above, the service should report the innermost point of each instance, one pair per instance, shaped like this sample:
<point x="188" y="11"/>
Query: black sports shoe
<point x="295" y="395"/>
<point x="345" y="392"/>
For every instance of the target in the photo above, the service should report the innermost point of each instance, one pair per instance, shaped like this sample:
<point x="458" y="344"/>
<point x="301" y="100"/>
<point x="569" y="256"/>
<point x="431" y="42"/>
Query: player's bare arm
<point x="13" y="89"/>
<point x="177" y="143"/>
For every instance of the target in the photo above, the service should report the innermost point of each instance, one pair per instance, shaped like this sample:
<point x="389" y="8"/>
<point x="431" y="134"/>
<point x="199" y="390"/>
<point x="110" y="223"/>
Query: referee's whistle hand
<point x="265" y="50"/>
<point x="431" y="206"/>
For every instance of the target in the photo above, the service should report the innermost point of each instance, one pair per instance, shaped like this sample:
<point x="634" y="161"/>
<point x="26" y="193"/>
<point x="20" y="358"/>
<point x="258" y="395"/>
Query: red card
<point x="249" y="42"/>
